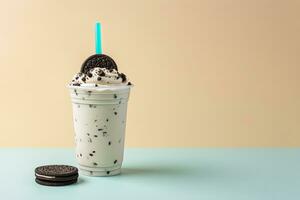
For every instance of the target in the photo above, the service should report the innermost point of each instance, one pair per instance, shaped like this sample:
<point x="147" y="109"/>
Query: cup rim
<point x="100" y="88"/>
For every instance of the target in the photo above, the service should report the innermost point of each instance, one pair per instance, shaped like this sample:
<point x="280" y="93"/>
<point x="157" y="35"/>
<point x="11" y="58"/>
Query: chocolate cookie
<point x="56" y="175"/>
<point x="98" y="60"/>
<point x="56" y="170"/>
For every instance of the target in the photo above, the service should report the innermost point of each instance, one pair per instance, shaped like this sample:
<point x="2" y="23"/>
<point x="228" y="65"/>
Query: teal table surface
<point x="162" y="173"/>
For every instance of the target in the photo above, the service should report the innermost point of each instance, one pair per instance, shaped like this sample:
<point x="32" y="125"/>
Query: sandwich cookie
<point x="98" y="60"/>
<point x="56" y="175"/>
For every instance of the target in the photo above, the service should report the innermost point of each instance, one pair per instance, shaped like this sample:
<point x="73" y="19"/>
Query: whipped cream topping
<point x="100" y="76"/>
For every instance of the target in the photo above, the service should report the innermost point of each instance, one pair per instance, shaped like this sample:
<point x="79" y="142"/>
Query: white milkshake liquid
<point x="99" y="116"/>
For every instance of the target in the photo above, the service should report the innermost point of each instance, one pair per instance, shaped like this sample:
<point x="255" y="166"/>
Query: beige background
<point x="207" y="73"/>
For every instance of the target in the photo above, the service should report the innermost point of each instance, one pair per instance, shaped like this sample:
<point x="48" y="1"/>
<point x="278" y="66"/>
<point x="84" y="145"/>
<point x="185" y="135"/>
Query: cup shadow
<point x="154" y="171"/>
<point x="80" y="181"/>
<point x="203" y="172"/>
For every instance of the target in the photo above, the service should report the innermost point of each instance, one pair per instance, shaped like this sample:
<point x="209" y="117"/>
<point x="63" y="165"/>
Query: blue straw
<point x="98" y="44"/>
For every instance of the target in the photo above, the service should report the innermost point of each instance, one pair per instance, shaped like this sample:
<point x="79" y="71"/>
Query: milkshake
<point x="99" y="94"/>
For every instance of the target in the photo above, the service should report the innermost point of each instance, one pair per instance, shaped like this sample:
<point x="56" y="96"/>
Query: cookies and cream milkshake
<point x="99" y="95"/>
